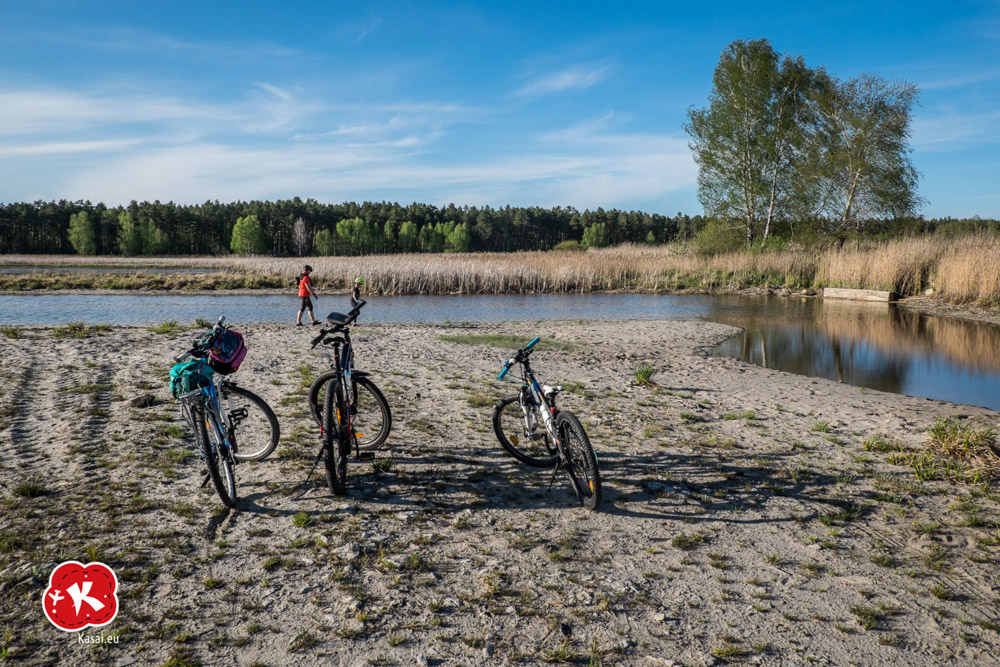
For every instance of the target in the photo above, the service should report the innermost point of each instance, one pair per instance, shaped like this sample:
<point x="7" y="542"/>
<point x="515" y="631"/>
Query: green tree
<point x="152" y="239"/>
<point x="81" y="234"/>
<point x="460" y="239"/>
<point x="248" y="237"/>
<point x="864" y="128"/>
<point x="129" y="238"/>
<point x="596" y="236"/>
<point x="407" y="241"/>
<point x="324" y="243"/>
<point x="749" y="139"/>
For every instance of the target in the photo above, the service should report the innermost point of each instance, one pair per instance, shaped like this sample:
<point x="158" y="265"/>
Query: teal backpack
<point x="187" y="376"/>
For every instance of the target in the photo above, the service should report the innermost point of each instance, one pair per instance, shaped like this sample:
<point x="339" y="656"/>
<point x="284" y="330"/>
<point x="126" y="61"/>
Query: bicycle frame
<point x="210" y="395"/>
<point x="547" y="410"/>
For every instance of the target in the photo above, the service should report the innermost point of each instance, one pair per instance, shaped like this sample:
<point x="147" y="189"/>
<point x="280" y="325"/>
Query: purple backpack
<point x="227" y="352"/>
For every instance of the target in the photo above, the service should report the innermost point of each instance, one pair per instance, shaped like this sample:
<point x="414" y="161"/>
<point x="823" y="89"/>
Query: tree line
<point x="781" y="144"/>
<point x="307" y="228"/>
<point x="297" y="227"/>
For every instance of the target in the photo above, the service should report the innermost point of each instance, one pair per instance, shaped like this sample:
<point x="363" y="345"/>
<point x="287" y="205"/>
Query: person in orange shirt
<point x="305" y="291"/>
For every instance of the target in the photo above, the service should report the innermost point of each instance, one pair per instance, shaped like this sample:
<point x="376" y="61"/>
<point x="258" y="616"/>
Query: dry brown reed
<point x="965" y="270"/>
<point x="970" y="273"/>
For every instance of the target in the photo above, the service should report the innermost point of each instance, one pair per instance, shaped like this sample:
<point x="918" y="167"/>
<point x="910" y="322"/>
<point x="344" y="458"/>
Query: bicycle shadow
<point x="663" y="485"/>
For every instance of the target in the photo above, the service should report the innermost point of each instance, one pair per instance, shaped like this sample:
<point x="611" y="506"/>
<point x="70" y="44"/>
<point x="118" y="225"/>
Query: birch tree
<point x="749" y="139"/>
<point x="300" y="237"/>
<point x="864" y="131"/>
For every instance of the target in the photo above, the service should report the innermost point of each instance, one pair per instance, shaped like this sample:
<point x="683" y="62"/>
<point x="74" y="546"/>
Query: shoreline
<point x="921" y="304"/>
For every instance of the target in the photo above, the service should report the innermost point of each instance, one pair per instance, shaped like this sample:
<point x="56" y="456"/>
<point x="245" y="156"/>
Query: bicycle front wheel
<point x="581" y="463"/>
<point x="220" y="469"/>
<point x="518" y="426"/>
<point x="334" y="454"/>
<point x="254" y="424"/>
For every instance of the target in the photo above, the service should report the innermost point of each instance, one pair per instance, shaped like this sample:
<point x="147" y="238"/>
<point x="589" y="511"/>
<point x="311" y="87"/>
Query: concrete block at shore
<point x="858" y="294"/>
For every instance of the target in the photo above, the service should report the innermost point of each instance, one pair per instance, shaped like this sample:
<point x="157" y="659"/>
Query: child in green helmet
<point x="356" y="292"/>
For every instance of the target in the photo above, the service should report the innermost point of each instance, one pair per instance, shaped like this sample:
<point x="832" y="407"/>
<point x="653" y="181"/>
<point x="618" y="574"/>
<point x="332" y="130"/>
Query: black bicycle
<point x="536" y="432"/>
<point x="351" y="411"/>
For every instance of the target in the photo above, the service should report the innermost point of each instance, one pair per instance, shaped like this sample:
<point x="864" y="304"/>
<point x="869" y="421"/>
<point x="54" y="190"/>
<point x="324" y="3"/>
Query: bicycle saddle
<point x="336" y="319"/>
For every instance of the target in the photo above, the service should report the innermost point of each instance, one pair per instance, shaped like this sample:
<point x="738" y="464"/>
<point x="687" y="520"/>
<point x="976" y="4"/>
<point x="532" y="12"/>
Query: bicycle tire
<point x="369" y="409"/>
<point x="511" y="430"/>
<point x="219" y="467"/>
<point x="257" y="434"/>
<point x="585" y="478"/>
<point x="335" y="462"/>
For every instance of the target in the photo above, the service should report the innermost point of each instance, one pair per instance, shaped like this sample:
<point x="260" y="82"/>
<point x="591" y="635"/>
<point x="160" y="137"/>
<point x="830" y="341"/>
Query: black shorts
<point x="307" y="304"/>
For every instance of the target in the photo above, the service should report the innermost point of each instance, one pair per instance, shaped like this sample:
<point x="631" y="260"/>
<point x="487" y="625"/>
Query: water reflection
<point x="879" y="346"/>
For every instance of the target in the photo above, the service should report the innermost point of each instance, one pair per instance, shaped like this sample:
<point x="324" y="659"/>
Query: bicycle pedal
<point x="366" y="456"/>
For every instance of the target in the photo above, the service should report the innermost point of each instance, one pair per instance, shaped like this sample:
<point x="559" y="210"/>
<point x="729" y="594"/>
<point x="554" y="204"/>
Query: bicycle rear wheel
<point x="581" y="464"/>
<point x="254" y="424"/>
<point x="531" y="446"/>
<point x="334" y="454"/>
<point x="371" y="419"/>
<point x="220" y="469"/>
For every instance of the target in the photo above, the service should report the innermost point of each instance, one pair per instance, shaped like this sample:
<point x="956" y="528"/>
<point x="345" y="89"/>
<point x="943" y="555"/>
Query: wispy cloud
<point x="577" y="77"/>
<point x="135" y="40"/>
<point x="966" y="78"/>
<point x="947" y="130"/>
<point x="281" y="142"/>
<point x="355" y="33"/>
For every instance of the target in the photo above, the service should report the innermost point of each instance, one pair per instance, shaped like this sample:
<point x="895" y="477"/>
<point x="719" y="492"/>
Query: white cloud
<point x="949" y="130"/>
<point x="578" y="77"/>
<point x="355" y="33"/>
<point x="280" y="142"/>
<point x="68" y="147"/>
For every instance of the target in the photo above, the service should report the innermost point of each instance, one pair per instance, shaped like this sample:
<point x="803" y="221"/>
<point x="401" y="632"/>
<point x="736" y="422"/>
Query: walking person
<point x="305" y="291"/>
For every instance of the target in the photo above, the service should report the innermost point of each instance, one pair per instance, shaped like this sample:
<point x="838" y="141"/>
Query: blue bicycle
<point x="536" y="432"/>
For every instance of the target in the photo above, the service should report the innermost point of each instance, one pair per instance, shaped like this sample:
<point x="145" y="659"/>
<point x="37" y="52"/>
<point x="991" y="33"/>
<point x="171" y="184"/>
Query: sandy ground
<point x="743" y="520"/>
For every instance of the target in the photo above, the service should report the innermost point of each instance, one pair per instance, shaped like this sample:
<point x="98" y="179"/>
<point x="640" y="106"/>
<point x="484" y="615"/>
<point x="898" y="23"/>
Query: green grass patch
<point x="507" y="341"/>
<point x="167" y="327"/>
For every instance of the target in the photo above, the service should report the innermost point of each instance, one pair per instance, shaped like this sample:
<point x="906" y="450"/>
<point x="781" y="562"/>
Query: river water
<point x="878" y="346"/>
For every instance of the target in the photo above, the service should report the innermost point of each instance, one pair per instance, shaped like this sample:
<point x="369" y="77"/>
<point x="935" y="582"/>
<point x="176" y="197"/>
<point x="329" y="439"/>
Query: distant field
<point x="962" y="270"/>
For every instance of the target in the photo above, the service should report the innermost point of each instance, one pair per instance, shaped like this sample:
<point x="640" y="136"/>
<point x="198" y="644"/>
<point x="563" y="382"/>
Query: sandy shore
<point x="743" y="518"/>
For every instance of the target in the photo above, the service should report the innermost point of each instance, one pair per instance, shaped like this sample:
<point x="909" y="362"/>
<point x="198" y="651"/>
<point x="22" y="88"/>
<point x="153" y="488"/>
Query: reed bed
<point x="963" y="270"/>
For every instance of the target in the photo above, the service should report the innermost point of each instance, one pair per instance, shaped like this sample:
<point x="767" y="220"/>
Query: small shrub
<point x="644" y="375"/>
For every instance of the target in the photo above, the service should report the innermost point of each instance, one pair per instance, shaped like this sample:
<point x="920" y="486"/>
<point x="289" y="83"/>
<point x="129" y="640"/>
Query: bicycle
<point x="246" y="421"/>
<point x="533" y="430"/>
<point x="363" y="419"/>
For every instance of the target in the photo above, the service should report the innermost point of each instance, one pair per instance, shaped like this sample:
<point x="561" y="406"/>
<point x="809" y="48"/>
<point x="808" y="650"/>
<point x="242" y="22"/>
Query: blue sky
<point x="542" y="103"/>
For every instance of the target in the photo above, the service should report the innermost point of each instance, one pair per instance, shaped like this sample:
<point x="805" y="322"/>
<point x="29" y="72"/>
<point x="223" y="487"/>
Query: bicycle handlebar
<point x="351" y="316"/>
<point x="521" y="356"/>
<point x="202" y="345"/>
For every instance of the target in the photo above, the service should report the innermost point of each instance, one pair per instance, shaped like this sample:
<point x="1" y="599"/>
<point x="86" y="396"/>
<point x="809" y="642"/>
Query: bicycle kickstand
<point x="555" y="471"/>
<point x="315" y="463"/>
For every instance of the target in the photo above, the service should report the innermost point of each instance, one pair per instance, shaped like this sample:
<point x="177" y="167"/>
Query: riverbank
<point x="959" y="271"/>
<point x="748" y="513"/>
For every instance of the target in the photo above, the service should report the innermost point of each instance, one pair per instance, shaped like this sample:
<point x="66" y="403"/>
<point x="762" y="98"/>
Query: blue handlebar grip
<point x="532" y="343"/>
<point x="506" y="369"/>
